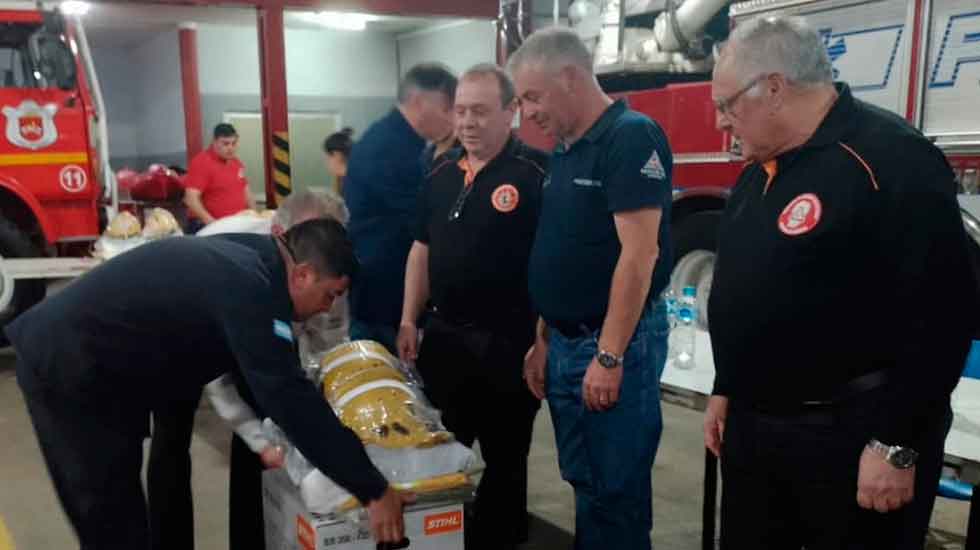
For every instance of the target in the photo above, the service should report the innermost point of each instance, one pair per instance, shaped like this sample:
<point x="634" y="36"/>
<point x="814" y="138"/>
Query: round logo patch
<point x="801" y="215"/>
<point x="73" y="178"/>
<point x="505" y="198"/>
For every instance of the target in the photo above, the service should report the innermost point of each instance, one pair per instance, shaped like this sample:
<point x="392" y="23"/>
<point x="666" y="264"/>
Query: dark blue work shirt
<point x="155" y="324"/>
<point x="382" y="184"/>
<point x="622" y="163"/>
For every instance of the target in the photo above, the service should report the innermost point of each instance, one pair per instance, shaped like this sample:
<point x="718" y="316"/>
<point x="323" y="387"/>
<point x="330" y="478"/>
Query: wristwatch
<point x="902" y="458"/>
<point x="609" y="360"/>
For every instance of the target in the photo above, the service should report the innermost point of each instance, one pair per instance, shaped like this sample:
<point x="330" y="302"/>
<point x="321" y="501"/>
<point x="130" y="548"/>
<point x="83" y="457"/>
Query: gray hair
<point x="427" y="77"/>
<point x="553" y="47"/>
<point x="305" y="205"/>
<point x="780" y="44"/>
<point x="507" y="92"/>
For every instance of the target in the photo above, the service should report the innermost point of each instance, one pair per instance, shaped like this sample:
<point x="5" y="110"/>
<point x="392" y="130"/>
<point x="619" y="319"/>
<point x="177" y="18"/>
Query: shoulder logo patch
<point x="654" y="168"/>
<point x="505" y="198"/>
<point x="282" y="329"/>
<point x="801" y="215"/>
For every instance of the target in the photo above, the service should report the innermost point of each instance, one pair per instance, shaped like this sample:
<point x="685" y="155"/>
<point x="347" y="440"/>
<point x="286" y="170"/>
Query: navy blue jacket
<point x="156" y="323"/>
<point x="384" y="175"/>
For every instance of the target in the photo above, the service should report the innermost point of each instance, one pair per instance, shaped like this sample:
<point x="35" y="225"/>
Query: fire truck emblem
<point x="30" y="125"/>
<point x="801" y="215"/>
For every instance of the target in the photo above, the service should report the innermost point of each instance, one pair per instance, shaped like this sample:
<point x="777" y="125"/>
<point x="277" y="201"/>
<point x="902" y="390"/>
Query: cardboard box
<point x="289" y="526"/>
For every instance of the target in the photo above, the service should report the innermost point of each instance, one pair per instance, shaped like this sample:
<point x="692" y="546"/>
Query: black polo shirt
<point x="622" y="163"/>
<point x="840" y="258"/>
<point x="480" y="234"/>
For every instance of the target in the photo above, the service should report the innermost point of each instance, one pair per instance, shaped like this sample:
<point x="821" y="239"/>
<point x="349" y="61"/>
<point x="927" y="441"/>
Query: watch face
<point x="902" y="457"/>
<point x="607" y="361"/>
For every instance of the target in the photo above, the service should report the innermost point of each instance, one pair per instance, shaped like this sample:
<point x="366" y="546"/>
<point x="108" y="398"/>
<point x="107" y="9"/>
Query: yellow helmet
<point x="371" y="397"/>
<point x="367" y="348"/>
<point x="160" y="223"/>
<point x="123" y="226"/>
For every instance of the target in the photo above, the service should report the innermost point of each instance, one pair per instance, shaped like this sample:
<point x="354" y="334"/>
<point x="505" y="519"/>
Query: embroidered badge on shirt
<point x="801" y="215"/>
<point x="283" y="330"/>
<point x="505" y="198"/>
<point x="654" y="168"/>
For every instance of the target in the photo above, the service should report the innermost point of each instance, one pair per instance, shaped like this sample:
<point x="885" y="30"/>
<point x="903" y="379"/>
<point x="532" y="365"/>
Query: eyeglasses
<point x="724" y="106"/>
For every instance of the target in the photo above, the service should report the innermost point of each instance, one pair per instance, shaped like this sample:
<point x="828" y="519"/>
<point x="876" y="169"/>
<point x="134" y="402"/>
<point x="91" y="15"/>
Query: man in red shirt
<point x="215" y="185"/>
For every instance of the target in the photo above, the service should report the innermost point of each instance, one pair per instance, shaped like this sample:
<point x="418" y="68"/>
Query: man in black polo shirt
<point x="840" y="311"/>
<point x="155" y="323"/>
<point x="601" y="259"/>
<point x="477" y="217"/>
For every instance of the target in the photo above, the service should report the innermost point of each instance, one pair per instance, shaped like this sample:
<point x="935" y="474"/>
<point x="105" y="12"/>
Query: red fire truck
<point x="918" y="58"/>
<point x="56" y="187"/>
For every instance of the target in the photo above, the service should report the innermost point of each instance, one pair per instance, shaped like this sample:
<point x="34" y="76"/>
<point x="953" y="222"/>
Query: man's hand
<point x="272" y="457"/>
<point x="535" y="363"/>
<point x="387" y="522"/>
<point x="600" y="389"/>
<point x="882" y="486"/>
<point x="194" y="202"/>
<point x="408" y="342"/>
<point x="714" y="423"/>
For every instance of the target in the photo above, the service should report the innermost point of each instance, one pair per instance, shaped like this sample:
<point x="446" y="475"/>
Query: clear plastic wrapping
<point x="380" y="399"/>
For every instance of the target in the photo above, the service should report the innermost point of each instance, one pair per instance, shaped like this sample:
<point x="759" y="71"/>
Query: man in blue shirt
<point x="383" y="179"/>
<point x="599" y="262"/>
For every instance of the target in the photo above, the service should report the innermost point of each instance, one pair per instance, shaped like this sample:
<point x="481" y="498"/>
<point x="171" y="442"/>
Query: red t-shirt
<point x="221" y="182"/>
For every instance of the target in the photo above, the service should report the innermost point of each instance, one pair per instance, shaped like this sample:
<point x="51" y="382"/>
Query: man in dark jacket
<point x="383" y="180"/>
<point x="159" y="322"/>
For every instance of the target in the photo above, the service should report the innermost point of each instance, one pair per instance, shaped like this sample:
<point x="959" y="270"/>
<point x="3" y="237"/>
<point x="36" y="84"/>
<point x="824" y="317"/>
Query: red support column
<point x="275" y="113"/>
<point x="191" y="90"/>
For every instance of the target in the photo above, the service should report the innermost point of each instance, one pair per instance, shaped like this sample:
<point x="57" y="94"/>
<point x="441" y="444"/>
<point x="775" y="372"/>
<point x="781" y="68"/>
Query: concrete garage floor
<point x="31" y="512"/>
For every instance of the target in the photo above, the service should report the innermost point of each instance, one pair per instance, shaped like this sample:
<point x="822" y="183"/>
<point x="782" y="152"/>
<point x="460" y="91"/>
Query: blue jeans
<point x="608" y="456"/>
<point x="382" y="334"/>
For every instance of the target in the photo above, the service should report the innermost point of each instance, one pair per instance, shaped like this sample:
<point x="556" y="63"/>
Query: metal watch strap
<point x="900" y="457"/>
<point x="609" y="360"/>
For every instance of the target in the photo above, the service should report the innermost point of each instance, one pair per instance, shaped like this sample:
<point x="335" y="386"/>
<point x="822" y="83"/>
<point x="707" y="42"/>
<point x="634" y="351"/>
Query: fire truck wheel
<point x="695" y="238"/>
<point x="16" y="297"/>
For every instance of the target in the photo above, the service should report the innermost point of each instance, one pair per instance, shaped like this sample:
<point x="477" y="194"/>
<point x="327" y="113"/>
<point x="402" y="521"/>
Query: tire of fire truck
<point x="15" y="244"/>
<point x="695" y="238"/>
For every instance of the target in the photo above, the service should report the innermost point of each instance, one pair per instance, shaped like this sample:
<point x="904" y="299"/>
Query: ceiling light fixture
<point x="74" y="7"/>
<point x="347" y="21"/>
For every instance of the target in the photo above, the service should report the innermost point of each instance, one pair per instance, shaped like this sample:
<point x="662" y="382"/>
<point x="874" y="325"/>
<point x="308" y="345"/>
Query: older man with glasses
<point x="834" y="360"/>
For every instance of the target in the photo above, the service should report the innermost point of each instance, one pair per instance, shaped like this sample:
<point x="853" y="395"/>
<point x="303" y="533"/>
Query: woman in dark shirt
<point x="336" y="151"/>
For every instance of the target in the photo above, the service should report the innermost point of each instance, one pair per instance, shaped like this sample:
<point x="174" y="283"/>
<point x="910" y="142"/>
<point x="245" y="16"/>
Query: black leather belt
<point x="850" y="390"/>
<point x="572" y="330"/>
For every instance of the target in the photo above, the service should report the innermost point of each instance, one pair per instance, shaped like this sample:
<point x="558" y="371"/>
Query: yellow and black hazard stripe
<point x="280" y="165"/>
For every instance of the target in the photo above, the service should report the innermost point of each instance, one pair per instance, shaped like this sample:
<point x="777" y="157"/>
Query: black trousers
<point x="790" y="481"/>
<point x="246" y="526"/>
<point x="168" y="475"/>
<point x="94" y="454"/>
<point x="474" y="377"/>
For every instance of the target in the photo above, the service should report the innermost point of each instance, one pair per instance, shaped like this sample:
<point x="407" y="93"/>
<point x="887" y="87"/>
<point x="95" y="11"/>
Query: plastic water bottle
<point x="670" y="301"/>
<point x="680" y="343"/>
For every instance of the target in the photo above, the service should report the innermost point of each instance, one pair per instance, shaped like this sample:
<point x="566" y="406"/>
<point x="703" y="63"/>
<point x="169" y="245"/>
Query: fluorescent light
<point x="347" y="21"/>
<point x="75" y="7"/>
